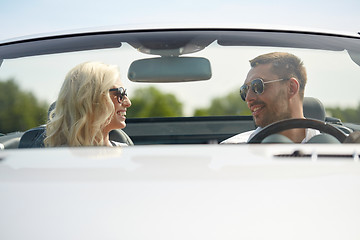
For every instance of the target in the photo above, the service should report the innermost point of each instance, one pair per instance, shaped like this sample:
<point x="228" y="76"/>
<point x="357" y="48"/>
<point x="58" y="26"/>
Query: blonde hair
<point x="84" y="107"/>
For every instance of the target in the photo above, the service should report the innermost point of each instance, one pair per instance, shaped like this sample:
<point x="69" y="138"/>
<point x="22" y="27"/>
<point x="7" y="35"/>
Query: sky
<point x="31" y="17"/>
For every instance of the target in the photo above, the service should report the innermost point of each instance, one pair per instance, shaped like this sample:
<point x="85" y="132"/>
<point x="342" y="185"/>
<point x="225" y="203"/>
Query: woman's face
<point x="118" y="119"/>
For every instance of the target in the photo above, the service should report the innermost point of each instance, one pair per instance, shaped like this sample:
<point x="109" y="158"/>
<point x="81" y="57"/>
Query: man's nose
<point x="251" y="95"/>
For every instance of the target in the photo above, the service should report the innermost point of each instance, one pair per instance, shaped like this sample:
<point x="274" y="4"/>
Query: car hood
<point x="181" y="192"/>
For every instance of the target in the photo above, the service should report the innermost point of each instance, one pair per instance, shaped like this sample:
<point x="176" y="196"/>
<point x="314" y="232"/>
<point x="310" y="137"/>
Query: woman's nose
<point x="126" y="102"/>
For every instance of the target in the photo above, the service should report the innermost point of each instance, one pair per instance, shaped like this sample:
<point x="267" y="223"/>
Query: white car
<point x="174" y="180"/>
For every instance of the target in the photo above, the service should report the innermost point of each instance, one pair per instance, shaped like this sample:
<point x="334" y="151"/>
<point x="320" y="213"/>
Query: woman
<point x="91" y="103"/>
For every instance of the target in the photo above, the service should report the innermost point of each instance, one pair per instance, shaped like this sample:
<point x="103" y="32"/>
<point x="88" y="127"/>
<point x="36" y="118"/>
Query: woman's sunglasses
<point x="120" y="93"/>
<point x="257" y="86"/>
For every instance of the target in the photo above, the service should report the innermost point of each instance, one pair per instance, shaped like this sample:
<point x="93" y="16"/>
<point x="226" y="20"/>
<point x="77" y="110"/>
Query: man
<point x="274" y="91"/>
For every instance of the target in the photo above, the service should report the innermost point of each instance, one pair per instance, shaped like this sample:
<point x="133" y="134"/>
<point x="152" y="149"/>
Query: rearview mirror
<point x="170" y="69"/>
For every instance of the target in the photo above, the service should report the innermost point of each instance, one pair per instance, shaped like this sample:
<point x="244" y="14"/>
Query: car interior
<point x="193" y="130"/>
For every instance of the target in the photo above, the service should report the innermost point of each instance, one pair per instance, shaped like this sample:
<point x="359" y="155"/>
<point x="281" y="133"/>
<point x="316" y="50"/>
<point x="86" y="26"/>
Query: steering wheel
<point x="298" y="123"/>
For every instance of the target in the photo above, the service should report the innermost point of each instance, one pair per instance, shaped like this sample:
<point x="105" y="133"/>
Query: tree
<point x="229" y="105"/>
<point x="20" y="110"/>
<point x="150" y="102"/>
<point x="346" y="115"/>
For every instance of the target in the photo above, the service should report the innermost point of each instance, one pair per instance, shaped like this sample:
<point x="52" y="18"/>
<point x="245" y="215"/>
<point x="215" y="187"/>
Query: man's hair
<point x="83" y="107"/>
<point x="285" y="65"/>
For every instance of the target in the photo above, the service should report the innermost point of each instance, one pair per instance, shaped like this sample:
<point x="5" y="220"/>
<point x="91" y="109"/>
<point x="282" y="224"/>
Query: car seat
<point x="34" y="138"/>
<point x="313" y="108"/>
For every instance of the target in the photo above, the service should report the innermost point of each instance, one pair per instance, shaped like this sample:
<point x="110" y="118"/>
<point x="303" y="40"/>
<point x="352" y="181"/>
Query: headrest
<point x="313" y="109"/>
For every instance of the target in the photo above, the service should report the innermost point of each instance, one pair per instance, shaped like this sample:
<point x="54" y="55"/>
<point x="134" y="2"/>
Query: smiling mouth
<point x="255" y="110"/>
<point x="123" y="114"/>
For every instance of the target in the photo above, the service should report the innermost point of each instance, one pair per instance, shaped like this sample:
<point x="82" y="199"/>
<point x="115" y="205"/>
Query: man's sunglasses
<point x="120" y="93"/>
<point x="257" y="86"/>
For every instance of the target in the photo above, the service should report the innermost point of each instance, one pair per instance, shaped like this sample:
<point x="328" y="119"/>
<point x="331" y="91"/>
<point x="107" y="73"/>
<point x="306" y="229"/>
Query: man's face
<point x="272" y="105"/>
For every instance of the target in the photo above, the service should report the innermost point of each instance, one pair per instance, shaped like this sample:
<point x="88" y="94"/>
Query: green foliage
<point x="19" y="110"/>
<point x="351" y="115"/>
<point x="150" y="102"/>
<point x="229" y="105"/>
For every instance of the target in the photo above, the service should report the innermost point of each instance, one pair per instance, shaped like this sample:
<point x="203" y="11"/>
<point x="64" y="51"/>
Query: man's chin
<point x="258" y="123"/>
<point x="262" y="124"/>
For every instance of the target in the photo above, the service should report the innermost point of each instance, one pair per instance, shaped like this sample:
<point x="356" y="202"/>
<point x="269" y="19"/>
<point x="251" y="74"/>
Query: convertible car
<point x="175" y="180"/>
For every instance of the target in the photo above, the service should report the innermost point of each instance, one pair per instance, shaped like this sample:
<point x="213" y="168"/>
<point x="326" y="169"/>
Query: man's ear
<point x="294" y="87"/>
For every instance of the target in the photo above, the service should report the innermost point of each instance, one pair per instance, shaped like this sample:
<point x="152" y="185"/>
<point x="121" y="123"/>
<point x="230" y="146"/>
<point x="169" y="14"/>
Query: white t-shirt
<point x="246" y="136"/>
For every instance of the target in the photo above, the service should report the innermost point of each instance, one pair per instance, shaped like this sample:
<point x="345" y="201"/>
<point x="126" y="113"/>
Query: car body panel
<point x="179" y="192"/>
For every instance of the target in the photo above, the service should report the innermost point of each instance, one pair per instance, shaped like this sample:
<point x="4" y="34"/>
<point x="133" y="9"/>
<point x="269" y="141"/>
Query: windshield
<point x="30" y="84"/>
